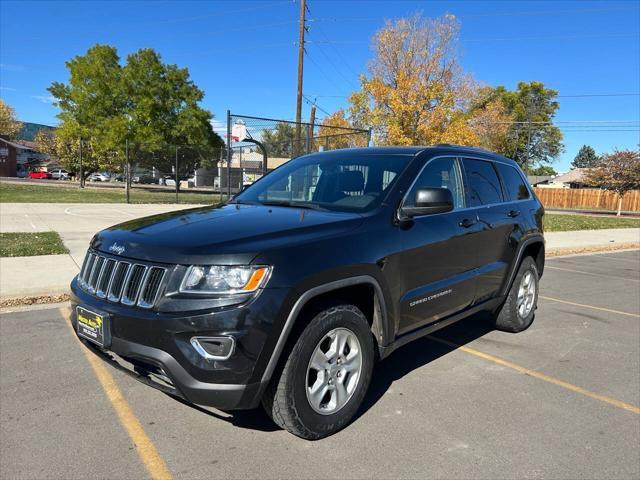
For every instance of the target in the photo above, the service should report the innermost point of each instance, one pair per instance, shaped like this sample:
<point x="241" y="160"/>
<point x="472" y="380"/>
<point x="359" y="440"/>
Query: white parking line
<point x="592" y="274"/>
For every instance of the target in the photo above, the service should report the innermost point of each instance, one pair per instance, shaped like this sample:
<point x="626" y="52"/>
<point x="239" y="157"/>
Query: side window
<point x="483" y="184"/>
<point x="441" y="173"/>
<point x="516" y="188"/>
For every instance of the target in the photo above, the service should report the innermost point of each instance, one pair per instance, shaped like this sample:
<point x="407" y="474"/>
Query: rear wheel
<point x="518" y="311"/>
<point x="326" y="376"/>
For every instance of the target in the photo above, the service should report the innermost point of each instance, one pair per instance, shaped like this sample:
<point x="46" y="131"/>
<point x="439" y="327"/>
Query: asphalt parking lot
<point x="560" y="400"/>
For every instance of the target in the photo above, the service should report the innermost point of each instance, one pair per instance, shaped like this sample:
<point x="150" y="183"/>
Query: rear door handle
<point x="513" y="213"/>
<point x="466" y="223"/>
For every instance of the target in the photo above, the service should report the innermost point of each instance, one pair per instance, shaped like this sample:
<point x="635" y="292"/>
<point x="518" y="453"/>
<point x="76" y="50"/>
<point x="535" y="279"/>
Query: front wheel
<point x="326" y="375"/>
<point x="518" y="311"/>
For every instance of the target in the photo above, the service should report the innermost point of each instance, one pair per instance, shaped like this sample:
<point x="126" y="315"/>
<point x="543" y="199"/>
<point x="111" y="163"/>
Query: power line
<point x="338" y="53"/>
<point x="582" y="95"/>
<point x="313" y="102"/>
<point x="600" y="95"/>
<point x="493" y="14"/>
<point x="508" y="39"/>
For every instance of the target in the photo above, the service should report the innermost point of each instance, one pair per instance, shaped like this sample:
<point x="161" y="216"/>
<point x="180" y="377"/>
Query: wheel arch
<point x="533" y="247"/>
<point x="376" y="313"/>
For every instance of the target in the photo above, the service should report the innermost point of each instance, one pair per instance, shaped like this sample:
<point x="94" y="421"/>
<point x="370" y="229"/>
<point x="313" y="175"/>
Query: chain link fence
<point x="258" y="145"/>
<point x="139" y="173"/>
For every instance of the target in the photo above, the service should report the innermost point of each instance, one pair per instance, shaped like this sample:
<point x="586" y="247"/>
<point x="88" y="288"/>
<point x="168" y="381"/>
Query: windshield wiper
<point x="287" y="203"/>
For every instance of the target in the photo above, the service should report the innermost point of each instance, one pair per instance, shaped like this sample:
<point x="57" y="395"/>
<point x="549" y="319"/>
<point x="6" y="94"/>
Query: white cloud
<point x="219" y="127"/>
<point x="8" y="89"/>
<point x="44" y="98"/>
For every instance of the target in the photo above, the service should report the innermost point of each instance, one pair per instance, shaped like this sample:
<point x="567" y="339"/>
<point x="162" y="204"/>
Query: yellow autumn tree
<point x="9" y="124"/>
<point x="331" y="137"/>
<point x="416" y="92"/>
<point x="490" y="122"/>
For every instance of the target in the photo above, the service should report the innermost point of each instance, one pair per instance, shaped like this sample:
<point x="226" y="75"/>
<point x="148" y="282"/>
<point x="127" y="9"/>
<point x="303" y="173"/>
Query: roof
<point x="414" y="150"/>
<point x="573" y="176"/>
<point x="15" y="145"/>
<point x="537" y="179"/>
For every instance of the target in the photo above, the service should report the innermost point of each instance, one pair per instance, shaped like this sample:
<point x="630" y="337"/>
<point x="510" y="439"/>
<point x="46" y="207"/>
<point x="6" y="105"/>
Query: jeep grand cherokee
<point x="289" y="293"/>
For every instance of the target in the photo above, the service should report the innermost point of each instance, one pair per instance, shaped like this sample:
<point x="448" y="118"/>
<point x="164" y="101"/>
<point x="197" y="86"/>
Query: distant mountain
<point x="29" y="131"/>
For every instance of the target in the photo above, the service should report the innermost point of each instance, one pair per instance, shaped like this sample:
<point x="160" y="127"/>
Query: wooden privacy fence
<point x="587" y="198"/>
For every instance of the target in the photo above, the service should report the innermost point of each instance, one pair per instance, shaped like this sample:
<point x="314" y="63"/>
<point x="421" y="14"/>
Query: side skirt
<point x="432" y="327"/>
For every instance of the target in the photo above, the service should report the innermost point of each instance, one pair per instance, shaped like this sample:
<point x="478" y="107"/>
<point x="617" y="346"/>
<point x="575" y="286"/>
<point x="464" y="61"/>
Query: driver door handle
<point x="466" y="223"/>
<point x="513" y="213"/>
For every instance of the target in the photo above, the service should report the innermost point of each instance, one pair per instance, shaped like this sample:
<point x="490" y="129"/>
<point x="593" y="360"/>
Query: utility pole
<point x="529" y="113"/>
<point x="311" y="128"/>
<point x="303" y="8"/>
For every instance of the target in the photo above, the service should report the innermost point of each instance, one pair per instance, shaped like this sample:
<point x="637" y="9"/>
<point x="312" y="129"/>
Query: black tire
<point x="285" y="400"/>
<point x="508" y="318"/>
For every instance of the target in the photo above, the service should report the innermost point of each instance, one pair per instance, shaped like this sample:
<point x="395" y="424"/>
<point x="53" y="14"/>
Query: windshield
<point x="350" y="183"/>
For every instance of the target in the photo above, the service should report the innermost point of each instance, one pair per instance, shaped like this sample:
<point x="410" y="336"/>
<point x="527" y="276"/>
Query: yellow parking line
<point x="540" y="376"/>
<point x="591" y="307"/>
<point x="147" y="452"/>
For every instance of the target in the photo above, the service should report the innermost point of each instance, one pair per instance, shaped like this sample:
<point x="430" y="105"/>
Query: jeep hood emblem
<point x="115" y="248"/>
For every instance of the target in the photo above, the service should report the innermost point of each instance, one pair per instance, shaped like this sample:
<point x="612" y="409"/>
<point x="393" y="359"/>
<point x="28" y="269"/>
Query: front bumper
<point x="154" y="347"/>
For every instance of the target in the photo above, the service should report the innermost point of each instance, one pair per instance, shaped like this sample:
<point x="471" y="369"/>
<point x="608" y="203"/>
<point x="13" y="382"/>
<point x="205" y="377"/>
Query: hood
<point x="231" y="234"/>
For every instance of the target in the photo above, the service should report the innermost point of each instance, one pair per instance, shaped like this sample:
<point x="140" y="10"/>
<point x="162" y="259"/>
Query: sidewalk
<point x="76" y="224"/>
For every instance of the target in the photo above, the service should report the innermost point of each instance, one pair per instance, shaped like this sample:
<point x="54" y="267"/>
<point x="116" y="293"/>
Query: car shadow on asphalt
<point x="421" y="352"/>
<point x="403" y="361"/>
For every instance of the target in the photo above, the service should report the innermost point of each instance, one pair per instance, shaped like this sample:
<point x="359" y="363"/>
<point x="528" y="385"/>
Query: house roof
<point x="538" y="179"/>
<point x="15" y="145"/>
<point x="573" y="176"/>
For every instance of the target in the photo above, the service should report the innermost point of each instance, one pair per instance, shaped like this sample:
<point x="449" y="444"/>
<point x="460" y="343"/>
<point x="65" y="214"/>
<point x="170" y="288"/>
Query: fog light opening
<point x="214" y="348"/>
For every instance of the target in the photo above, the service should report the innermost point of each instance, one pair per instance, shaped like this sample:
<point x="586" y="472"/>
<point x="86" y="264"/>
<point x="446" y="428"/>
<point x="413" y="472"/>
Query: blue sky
<point x="243" y="54"/>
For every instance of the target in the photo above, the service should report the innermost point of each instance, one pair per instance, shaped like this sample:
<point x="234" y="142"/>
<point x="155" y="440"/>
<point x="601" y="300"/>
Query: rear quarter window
<point x="515" y="187"/>
<point x="483" y="185"/>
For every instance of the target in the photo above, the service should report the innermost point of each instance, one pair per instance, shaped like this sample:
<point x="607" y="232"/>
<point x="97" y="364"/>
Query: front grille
<point x="120" y="281"/>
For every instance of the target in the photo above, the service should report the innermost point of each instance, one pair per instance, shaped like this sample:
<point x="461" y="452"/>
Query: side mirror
<point x="429" y="201"/>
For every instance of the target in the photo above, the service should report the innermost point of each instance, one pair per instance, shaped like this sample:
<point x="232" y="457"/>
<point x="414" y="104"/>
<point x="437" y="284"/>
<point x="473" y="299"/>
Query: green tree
<point x="543" y="170"/>
<point x="586" y="158"/>
<point x="279" y="141"/>
<point x="618" y="171"/>
<point x="9" y="124"/>
<point x="532" y="138"/>
<point x="151" y="105"/>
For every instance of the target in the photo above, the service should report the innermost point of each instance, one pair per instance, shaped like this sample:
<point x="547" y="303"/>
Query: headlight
<point x="220" y="279"/>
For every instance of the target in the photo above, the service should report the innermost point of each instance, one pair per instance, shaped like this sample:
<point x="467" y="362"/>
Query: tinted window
<point x="330" y="181"/>
<point x="441" y="173"/>
<point x="483" y="184"/>
<point x="515" y="187"/>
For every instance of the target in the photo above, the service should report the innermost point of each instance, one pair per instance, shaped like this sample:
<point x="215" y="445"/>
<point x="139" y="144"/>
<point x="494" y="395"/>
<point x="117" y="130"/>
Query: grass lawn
<point x="30" y="244"/>
<point x="565" y="223"/>
<point x="12" y="193"/>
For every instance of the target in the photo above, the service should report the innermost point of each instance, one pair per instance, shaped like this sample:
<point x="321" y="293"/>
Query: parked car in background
<point x="39" y="175"/>
<point x="167" y="181"/>
<point x="99" y="177"/>
<point x="60" y="174"/>
<point x="143" y="178"/>
<point x="117" y="178"/>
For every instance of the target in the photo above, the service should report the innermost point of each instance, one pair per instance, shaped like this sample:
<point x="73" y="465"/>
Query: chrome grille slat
<point x="121" y="281"/>
<point x="133" y="284"/>
<point x="88" y="268"/>
<point x="151" y="287"/>
<point x="95" y="273"/>
<point x="117" y="283"/>
<point x="105" y="277"/>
